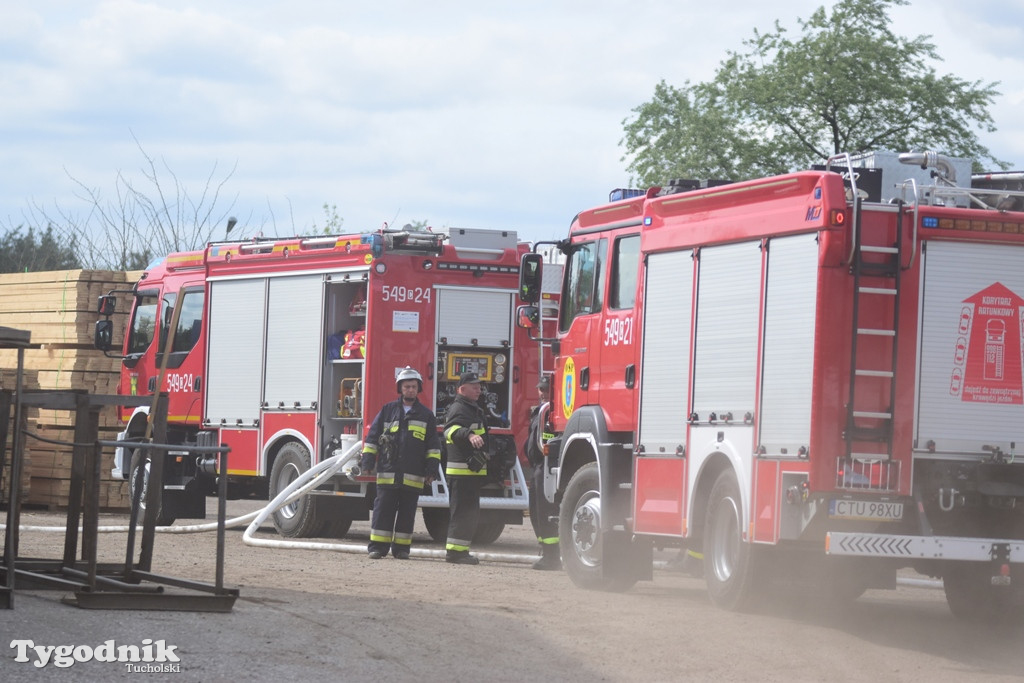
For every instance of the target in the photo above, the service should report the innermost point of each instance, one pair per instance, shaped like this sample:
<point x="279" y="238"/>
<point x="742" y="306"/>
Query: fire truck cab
<point x="285" y="350"/>
<point x="820" y="371"/>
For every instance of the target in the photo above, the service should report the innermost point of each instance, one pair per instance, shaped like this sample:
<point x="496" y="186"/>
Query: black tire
<point x="972" y="597"/>
<point x="579" y="531"/>
<point x="299" y="518"/>
<point x="729" y="566"/>
<point x="139" y="476"/>
<point x="336" y="528"/>
<point x="487" y="531"/>
<point x="436" y="521"/>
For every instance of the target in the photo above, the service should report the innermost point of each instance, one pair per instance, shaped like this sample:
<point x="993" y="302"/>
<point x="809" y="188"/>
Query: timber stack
<point x="58" y="308"/>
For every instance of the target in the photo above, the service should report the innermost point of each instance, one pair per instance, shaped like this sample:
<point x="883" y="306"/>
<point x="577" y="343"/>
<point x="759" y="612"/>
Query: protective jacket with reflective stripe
<point x="415" y="452"/>
<point x="463" y="419"/>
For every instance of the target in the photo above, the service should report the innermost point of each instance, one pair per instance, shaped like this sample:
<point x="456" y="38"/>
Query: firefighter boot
<point x="460" y="557"/>
<point x="549" y="558"/>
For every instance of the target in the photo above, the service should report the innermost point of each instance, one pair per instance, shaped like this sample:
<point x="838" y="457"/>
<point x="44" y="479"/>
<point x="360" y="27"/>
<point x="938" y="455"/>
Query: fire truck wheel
<point x="728" y="560"/>
<point x="972" y="597"/>
<point x="298" y="519"/>
<point x="487" y="531"/>
<point x="579" y="531"/>
<point x="436" y="521"/>
<point x="139" y="470"/>
<point x="336" y="528"/>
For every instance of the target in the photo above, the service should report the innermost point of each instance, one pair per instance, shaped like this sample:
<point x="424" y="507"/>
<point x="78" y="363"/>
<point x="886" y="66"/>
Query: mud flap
<point x="186" y="503"/>
<point x="627" y="557"/>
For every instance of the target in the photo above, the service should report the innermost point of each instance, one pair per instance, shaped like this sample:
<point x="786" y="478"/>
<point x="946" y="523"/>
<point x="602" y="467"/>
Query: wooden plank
<point x="55" y="463"/>
<point x="61" y="358"/>
<point x="80" y="275"/>
<point x="58" y="309"/>
<point x="50" y="329"/>
<point x="92" y="382"/>
<point x="53" y="493"/>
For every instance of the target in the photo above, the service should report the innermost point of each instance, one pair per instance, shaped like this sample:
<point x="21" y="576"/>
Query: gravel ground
<point x="317" y="613"/>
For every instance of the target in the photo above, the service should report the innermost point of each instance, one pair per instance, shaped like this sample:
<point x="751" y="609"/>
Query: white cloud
<point x="506" y="117"/>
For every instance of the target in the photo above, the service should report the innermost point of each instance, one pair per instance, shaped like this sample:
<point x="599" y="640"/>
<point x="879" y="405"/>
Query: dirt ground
<point x="320" y="613"/>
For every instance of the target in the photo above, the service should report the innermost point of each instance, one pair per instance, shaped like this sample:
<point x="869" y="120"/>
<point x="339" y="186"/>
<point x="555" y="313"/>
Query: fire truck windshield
<point x="143" y="327"/>
<point x="584" y="282"/>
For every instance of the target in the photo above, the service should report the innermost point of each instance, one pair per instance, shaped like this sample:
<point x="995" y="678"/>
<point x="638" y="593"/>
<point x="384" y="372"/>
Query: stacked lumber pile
<point x="58" y="308"/>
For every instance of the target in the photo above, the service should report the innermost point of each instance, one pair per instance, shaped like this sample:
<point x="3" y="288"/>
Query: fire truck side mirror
<point x="530" y="278"/>
<point x="104" y="336"/>
<point x="107" y="304"/>
<point x="528" y="317"/>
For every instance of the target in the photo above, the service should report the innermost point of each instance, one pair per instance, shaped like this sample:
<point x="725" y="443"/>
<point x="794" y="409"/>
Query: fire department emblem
<point x="568" y="387"/>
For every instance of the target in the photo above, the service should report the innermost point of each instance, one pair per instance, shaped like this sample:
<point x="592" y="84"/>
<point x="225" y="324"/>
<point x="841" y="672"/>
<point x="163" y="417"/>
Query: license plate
<point x="865" y="509"/>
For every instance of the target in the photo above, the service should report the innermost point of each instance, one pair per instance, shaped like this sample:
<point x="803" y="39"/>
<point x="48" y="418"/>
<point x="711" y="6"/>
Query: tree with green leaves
<point x="25" y="251"/>
<point x="847" y="83"/>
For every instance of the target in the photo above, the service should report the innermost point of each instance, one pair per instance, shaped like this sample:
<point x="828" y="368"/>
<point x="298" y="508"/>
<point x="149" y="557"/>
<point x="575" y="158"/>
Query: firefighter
<point x="465" y="434"/>
<point x="403" y="448"/>
<point x="543" y="514"/>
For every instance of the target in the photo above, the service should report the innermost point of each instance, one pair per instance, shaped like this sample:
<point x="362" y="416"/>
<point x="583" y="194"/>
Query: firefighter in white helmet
<point x="403" y="448"/>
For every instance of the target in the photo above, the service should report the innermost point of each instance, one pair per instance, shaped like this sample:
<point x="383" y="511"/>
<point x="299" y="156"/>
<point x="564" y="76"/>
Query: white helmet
<point x="407" y="373"/>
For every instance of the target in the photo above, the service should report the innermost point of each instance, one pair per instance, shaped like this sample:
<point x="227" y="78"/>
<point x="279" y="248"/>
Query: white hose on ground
<point x="299" y="484"/>
<point x="229" y="523"/>
<point x="309" y="479"/>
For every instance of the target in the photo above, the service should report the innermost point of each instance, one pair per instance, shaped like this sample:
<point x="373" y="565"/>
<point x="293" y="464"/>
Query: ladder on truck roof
<point x="876" y="263"/>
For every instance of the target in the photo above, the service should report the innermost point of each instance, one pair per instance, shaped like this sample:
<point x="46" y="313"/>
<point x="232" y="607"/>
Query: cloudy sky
<point x="504" y="117"/>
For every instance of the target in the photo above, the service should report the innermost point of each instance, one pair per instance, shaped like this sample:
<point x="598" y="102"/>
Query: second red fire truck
<point x="819" y="371"/>
<point x="285" y="350"/>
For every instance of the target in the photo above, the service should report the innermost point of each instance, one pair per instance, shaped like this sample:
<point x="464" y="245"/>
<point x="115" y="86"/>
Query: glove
<point x="477" y="461"/>
<point x="433" y="469"/>
<point x="366" y="463"/>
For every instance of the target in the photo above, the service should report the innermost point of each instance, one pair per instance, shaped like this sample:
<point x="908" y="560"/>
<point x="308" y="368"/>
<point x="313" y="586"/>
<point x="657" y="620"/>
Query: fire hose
<point x="309" y="479"/>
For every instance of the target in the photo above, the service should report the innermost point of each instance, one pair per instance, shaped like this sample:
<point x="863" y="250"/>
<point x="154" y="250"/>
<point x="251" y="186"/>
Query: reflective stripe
<point x="385" y="477"/>
<point x="548" y="541"/>
<point x="370" y="449"/>
<point x="403" y="538"/>
<point x="448" y="433"/>
<point x="418" y="429"/>
<point x="402" y="541"/>
<point x="464" y="471"/>
<point x="433" y="454"/>
<point x="380" y="536"/>
<point x="456" y="546"/>
<point x="412" y="479"/>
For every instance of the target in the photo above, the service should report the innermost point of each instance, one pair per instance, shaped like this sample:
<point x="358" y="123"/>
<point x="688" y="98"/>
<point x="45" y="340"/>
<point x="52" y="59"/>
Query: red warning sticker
<point x="987" y="365"/>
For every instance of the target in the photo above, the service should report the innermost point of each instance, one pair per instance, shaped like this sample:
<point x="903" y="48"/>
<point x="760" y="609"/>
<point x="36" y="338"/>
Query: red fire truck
<point x="286" y="349"/>
<point x="819" y="372"/>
